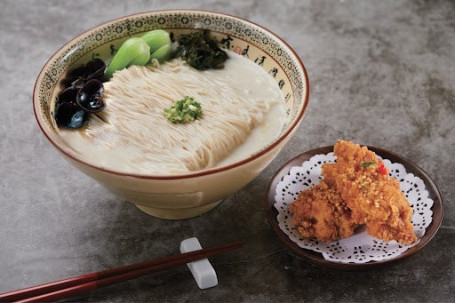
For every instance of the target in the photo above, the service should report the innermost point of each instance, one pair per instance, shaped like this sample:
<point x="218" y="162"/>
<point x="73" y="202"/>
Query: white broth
<point x="243" y="111"/>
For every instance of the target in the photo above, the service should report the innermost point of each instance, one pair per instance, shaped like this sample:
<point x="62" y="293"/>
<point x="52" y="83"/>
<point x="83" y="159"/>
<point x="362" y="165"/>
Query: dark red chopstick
<point x="82" y="284"/>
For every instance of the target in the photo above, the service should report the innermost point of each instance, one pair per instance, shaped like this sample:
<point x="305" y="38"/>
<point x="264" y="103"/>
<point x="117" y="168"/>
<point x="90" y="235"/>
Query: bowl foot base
<point x="178" y="213"/>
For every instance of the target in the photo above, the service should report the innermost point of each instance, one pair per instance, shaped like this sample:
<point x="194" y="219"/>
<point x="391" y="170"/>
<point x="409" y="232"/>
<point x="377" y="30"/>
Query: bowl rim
<point x="210" y="171"/>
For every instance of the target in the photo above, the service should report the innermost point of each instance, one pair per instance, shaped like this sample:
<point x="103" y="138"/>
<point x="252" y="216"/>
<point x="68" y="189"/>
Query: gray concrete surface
<point x="382" y="73"/>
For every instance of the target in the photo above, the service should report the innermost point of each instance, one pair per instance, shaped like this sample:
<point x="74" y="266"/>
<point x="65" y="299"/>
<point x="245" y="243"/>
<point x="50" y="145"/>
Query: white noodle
<point x="133" y="119"/>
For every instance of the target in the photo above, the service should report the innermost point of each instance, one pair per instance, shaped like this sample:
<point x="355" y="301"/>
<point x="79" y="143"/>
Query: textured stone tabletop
<point x="382" y="73"/>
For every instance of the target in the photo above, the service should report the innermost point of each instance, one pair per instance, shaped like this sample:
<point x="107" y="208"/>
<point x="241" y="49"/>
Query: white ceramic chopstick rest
<point x="203" y="272"/>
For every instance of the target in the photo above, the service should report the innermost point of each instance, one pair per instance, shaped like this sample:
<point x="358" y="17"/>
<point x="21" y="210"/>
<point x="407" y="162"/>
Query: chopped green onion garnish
<point x="184" y="111"/>
<point x="366" y="164"/>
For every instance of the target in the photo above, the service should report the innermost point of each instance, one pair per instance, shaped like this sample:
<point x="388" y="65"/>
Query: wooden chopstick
<point x="82" y="284"/>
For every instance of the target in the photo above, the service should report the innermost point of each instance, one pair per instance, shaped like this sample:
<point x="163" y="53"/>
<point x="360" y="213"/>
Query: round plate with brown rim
<point x="317" y="258"/>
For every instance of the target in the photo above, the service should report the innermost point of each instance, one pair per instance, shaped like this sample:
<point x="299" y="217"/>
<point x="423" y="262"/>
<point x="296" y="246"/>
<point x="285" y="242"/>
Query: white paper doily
<point x="359" y="248"/>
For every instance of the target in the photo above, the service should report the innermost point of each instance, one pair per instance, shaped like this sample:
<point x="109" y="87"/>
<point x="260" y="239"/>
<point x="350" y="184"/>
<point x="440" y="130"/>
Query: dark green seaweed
<point x="200" y="51"/>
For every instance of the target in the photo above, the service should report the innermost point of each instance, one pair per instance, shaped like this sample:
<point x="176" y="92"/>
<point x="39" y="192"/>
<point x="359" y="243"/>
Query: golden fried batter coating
<point x="320" y="213"/>
<point x="359" y="183"/>
<point x="374" y="198"/>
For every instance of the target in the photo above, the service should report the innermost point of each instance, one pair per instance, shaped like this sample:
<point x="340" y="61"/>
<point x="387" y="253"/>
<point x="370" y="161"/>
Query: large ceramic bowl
<point x="178" y="196"/>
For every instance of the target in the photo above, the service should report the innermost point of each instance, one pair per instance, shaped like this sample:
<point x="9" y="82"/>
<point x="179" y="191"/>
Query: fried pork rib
<point x="359" y="181"/>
